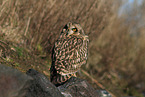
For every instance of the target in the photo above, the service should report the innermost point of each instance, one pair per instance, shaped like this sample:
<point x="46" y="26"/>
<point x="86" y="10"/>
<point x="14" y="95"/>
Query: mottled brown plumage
<point x="69" y="53"/>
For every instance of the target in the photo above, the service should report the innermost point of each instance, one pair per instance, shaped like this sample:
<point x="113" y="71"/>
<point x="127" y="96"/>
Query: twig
<point x="27" y="26"/>
<point x="3" y="42"/>
<point x="94" y="80"/>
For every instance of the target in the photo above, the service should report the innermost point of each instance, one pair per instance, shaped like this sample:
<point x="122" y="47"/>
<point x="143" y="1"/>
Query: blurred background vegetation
<point x="29" y="28"/>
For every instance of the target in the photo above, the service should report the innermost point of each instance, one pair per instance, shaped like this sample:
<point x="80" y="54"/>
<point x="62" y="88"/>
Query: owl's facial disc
<point x="72" y="31"/>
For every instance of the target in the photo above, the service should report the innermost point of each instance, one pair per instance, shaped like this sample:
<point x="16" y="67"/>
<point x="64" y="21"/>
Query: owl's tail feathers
<point x="58" y="79"/>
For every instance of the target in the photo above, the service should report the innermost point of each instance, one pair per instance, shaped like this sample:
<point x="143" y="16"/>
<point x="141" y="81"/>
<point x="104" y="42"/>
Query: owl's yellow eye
<point x="74" y="29"/>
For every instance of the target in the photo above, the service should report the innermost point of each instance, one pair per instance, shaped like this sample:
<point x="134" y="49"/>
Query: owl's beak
<point x="69" y="32"/>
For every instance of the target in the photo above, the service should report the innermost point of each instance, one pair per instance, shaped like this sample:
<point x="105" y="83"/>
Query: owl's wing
<point x="69" y="55"/>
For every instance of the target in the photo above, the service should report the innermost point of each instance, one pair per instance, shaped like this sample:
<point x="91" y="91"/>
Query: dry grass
<point x="116" y="57"/>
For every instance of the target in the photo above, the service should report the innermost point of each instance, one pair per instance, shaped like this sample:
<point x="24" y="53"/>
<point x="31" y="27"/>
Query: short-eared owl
<point x="69" y="53"/>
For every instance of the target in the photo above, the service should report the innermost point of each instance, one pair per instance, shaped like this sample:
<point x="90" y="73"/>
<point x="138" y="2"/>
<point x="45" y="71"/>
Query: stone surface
<point x="76" y="87"/>
<point x="13" y="83"/>
<point x="41" y="86"/>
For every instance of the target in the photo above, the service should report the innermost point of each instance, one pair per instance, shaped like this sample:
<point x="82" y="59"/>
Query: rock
<point x="13" y="83"/>
<point x="76" y="87"/>
<point x="41" y="86"/>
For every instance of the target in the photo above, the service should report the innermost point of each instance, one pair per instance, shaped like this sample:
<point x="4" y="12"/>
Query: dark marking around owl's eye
<point x="75" y="29"/>
<point x="66" y="27"/>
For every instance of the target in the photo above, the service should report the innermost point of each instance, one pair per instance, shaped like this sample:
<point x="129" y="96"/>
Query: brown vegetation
<point x="116" y="56"/>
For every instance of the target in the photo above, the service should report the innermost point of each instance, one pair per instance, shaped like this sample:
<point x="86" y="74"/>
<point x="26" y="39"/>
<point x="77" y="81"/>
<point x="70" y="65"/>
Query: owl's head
<point x="75" y="29"/>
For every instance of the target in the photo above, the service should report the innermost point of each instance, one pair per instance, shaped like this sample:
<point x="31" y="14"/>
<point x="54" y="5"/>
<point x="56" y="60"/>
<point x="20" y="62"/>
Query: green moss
<point x="17" y="64"/>
<point x="39" y="48"/>
<point x="19" y="51"/>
